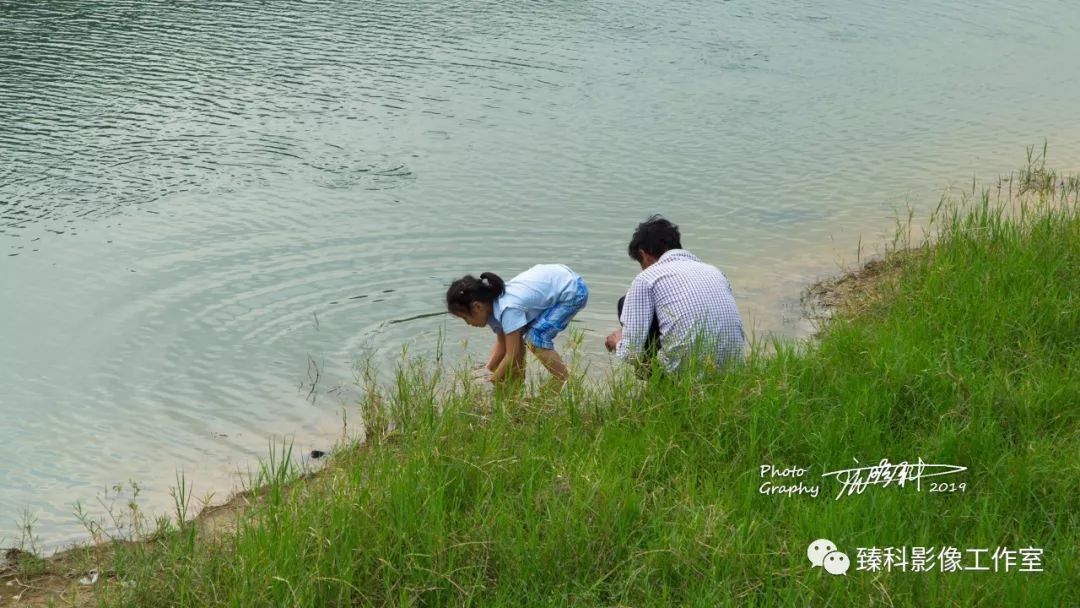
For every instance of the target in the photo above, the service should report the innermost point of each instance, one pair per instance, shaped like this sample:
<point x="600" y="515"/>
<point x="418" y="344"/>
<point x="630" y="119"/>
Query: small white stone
<point x="90" y="578"/>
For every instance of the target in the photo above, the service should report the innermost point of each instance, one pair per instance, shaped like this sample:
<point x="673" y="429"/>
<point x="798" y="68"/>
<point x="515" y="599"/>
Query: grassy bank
<point x="966" y="353"/>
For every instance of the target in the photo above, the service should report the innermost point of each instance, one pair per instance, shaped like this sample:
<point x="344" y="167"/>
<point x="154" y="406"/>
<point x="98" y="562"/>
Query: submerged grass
<point x="648" y="494"/>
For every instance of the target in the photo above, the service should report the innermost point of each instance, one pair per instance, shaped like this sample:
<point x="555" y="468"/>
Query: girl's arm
<point x="507" y="367"/>
<point x="498" y="351"/>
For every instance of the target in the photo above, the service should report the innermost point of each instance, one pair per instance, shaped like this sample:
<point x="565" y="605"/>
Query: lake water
<point x="202" y="202"/>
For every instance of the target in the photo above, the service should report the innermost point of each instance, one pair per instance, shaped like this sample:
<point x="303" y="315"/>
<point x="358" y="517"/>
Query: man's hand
<point x="613" y="339"/>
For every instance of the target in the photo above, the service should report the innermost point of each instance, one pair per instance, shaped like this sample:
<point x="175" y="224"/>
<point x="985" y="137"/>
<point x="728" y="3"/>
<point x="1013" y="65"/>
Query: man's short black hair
<point x="655" y="236"/>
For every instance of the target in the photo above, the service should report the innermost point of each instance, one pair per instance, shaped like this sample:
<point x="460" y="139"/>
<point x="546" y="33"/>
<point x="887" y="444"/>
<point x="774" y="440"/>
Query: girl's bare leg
<point x="513" y="380"/>
<point x="552" y="362"/>
<point x="498" y="351"/>
<point x="519" y="360"/>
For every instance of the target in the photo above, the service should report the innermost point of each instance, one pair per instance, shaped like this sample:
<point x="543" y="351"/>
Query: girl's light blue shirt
<point x="531" y="293"/>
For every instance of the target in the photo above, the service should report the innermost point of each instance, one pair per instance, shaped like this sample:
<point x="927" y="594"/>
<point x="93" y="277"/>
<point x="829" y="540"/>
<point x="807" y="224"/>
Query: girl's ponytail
<point x="468" y="289"/>
<point x="495" y="281"/>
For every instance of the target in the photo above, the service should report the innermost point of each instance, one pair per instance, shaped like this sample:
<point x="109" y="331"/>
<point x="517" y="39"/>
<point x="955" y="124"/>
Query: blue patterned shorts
<point x="545" y="327"/>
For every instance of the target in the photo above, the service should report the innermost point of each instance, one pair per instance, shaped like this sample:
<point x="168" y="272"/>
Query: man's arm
<point x="638" y="311"/>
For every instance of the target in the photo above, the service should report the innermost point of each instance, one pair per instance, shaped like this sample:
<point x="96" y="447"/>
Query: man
<point x="677" y="305"/>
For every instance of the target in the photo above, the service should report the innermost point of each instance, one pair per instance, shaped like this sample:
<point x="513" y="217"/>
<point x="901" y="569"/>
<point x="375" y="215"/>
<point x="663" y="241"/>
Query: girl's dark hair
<point x="655" y="236"/>
<point x="468" y="289"/>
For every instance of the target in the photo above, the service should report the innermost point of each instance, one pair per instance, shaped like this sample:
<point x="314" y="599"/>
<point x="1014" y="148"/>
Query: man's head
<point x="653" y="238"/>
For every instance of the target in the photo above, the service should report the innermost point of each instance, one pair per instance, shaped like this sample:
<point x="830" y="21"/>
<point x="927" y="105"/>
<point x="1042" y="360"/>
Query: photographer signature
<point x="884" y="473"/>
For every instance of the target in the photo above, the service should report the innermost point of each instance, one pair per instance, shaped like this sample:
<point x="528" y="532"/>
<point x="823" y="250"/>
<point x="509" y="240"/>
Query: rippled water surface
<point x="202" y="203"/>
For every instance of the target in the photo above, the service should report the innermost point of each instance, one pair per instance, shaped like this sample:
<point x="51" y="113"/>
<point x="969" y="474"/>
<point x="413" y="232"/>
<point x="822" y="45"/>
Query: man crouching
<point x="677" y="306"/>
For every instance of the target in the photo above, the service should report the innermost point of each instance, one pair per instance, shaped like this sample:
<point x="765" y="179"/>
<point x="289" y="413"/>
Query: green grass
<point x="647" y="495"/>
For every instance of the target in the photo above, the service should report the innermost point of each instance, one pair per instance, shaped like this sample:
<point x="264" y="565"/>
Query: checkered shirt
<point x="692" y="300"/>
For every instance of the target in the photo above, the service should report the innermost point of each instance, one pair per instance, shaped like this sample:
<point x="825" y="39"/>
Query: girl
<point x="530" y="309"/>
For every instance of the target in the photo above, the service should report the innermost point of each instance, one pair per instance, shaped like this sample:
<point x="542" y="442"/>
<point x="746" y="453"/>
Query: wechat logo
<point x="822" y="552"/>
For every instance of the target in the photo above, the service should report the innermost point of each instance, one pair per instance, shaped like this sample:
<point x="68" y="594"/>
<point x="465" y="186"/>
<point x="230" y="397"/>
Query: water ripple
<point x="200" y="201"/>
